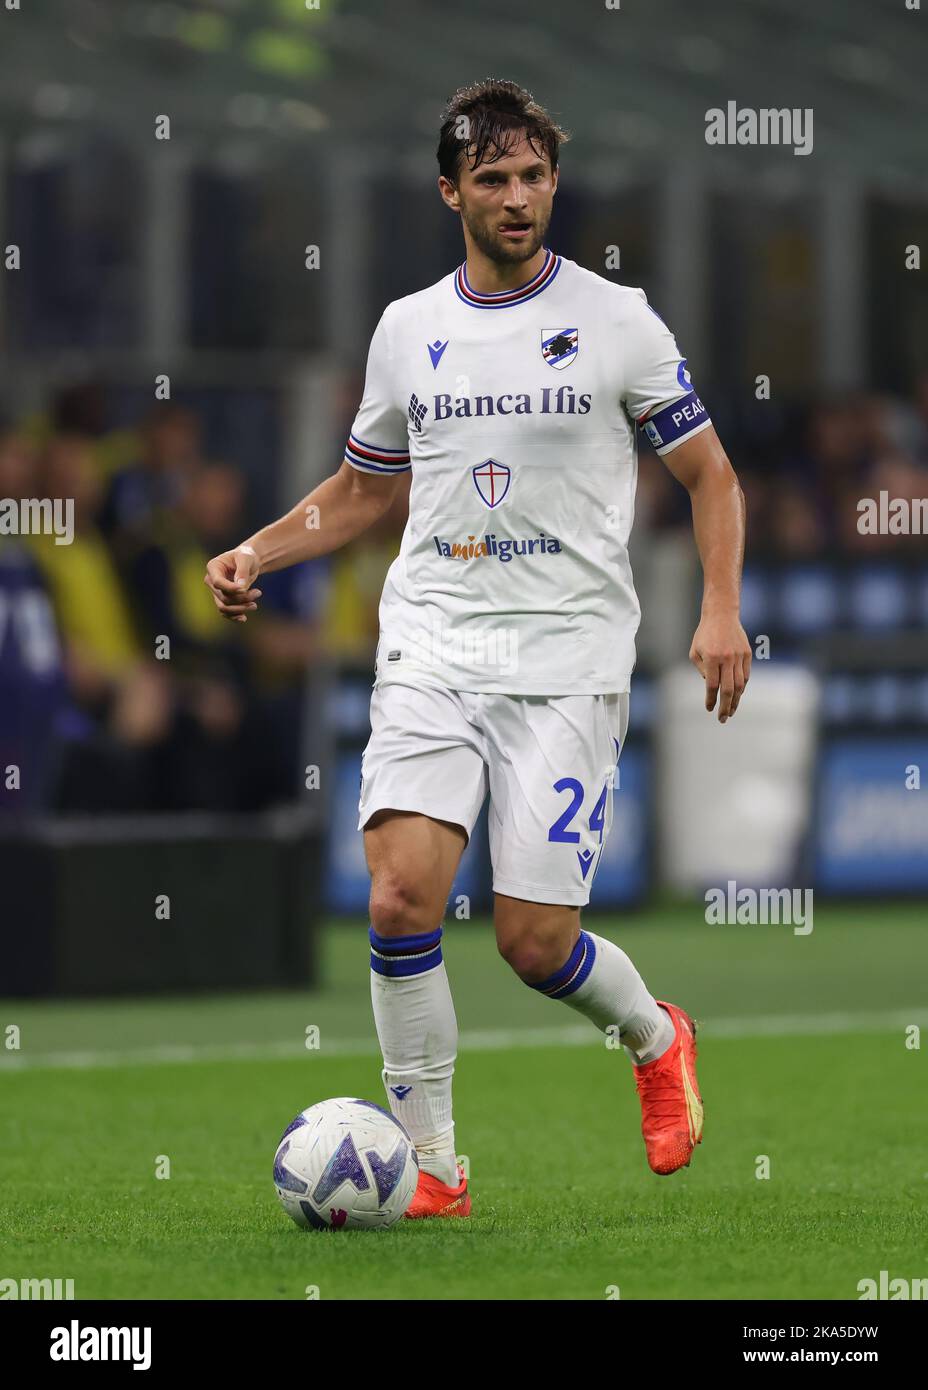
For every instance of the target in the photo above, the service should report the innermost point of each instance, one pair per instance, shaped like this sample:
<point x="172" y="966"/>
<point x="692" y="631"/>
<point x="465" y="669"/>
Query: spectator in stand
<point x="904" y="481"/>
<point x="238" y="692"/>
<point x="834" y="458"/>
<point x="794" y="530"/>
<point x="170" y="454"/>
<point x="33" y="686"/>
<point x="920" y="412"/>
<point x="206" y="660"/>
<point x="109" y="674"/>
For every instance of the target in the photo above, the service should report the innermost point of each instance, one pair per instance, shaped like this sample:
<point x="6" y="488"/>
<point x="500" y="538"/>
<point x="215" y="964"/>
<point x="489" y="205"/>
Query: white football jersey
<point x="517" y="414"/>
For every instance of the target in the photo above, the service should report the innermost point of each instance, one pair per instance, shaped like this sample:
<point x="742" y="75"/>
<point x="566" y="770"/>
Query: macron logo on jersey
<point x="436" y="349"/>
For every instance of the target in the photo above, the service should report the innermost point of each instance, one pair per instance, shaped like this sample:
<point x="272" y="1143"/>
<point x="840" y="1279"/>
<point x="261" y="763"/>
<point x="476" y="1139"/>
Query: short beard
<point x="504" y="253"/>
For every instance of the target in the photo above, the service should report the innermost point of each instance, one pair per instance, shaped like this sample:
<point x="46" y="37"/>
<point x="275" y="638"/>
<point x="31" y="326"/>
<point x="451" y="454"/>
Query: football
<point x="345" y="1163"/>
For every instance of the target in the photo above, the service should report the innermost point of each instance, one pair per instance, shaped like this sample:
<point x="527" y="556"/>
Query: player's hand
<point x="721" y="654"/>
<point x="229" y="578"/>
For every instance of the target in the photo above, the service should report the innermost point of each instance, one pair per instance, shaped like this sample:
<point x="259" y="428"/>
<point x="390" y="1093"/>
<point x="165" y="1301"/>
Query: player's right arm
<point x="340" y="508"/>
<point x="334" y="513"/>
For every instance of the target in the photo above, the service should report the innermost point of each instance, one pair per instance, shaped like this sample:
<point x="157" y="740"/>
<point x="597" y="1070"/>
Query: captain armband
<point x="673" y="423"/>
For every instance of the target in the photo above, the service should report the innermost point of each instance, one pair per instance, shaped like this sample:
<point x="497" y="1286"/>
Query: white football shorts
<point x="548" y="763"/>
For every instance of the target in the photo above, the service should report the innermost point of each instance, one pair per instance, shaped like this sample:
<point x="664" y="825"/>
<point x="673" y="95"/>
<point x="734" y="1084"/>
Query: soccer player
<point x="512" y="389"/>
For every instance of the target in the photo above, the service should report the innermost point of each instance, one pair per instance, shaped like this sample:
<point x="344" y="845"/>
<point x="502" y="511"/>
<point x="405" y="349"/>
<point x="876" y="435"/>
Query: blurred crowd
<point x="804" y="472"/>
<point x="122" y="690"/>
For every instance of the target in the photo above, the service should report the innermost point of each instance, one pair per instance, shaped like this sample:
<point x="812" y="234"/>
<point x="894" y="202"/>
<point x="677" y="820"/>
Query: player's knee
<point x="398" y="906"/>
<point x="529" y="957"/>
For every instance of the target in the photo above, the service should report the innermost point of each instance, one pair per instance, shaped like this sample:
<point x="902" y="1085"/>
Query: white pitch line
<point x="480" y="1040"/>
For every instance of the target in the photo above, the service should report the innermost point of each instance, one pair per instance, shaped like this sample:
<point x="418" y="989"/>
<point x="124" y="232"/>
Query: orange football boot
<point x="671" y="1106"/>
<point x="433" y="1197"/>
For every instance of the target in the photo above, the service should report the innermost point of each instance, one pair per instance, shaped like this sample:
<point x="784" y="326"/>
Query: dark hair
<point x="496" y="113"/>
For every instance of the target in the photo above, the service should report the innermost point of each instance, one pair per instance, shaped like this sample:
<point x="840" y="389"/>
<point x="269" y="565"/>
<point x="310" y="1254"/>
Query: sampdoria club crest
<point x="559" y="346"/>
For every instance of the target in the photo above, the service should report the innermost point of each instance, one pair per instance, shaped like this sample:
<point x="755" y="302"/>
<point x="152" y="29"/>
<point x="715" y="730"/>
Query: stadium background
<point x="190" y="781"/>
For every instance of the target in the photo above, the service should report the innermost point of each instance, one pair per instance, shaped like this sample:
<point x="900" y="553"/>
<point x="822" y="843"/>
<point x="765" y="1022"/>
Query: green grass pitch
<point x="803" y="1058"/>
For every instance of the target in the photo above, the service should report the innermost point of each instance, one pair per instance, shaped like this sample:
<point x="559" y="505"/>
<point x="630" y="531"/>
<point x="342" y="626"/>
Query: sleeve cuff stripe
<point x="377" y="467"/>
<point x="376" y="451"/>
<point x="363" y="456"/>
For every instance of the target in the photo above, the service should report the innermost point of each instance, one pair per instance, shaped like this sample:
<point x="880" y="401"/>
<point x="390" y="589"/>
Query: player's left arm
<point x="720" y="649"/>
